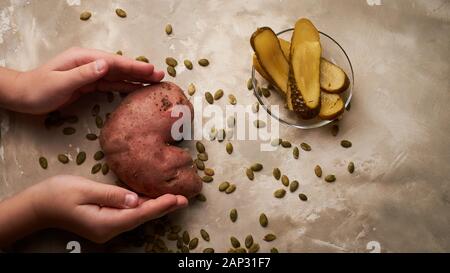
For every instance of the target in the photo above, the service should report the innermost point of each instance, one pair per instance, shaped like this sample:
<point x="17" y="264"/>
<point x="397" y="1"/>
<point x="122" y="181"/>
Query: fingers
<point x="110" y="196"/>
<point x="107" y="86"/>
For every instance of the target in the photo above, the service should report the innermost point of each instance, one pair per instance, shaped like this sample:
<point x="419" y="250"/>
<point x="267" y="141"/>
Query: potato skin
<point x="136" y="141"/>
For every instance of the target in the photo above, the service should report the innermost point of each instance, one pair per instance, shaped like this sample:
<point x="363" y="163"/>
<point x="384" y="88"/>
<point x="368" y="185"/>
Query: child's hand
<point x="92" y="210"/>
<point x="75" y="72"/>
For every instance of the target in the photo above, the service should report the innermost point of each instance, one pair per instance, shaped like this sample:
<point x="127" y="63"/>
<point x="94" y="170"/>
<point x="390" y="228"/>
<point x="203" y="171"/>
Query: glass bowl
<point x="332" y="51"/>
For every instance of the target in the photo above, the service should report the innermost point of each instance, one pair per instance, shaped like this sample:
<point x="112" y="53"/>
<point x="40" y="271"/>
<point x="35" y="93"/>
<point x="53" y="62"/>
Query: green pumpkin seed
<point x="250" y="174"/>
<point x="96" y="168"/>
<point x="188" y="64"/>
<point x="259" y="124"/>
<point x="346" y="144"/>
<point x="203" y="62"/>
<point x="254" y="248"/>
<point x="221" y="135"/>
<point x="232" y="99"/>
<point x="286" y="144"/>
<point x="69" y="131"/>
<point x="171" y="71"/>
<point x="121" y="13"/>
<point x="91" y="137"/>
<point x="119" y="52"/>
<point x="330" y="178"/>
<point x="230" y="189"/>
<point x="81" y="157"/>
<point x="280" y="193"/>
<point x="191" y="89"/>
<point x="71" y="119"/>
<point x="259" y="91"/>
<point x="233" y="215"/>
<point x="43" y="162"/>
<point x="229" y="148"/>
<point x="231" y="250"/>
<point x="193" y="243"/>
<point x="351" y="167"/>
<point x="142" y="59"/>
<point x="218" y="94"/>
<point x="269" y="237"/>
<point x="335" y="130"/>
<point x="200" y="197"/>
<point x="168" y="29"/>
<point x="305" y="147"/>
<point x="84" y="16"/>
<point x="248" y="241"/>
<point x="235" y="242"/>
<point x="207" y="179"/>
<point x="209" y="98"/>
<point x="99" y="122"/>
<point x="204" y="235"/>
<point x="256" y="167"/>
<point x="171" y="62"/>
<point x="296" y="152"/>
<point x="265" y="92"/>
<point x="224" y="186"/>
<point x="105" y="169"/>
<point x="263" y="221"/>
<point x="208" y="250"/>
<point x="172" y="236"/>
<point x="184" y="249"/>
<point x="294" y="186"/>
<point x="186" y="237"/>
<point x="303" y="197"/>
<point x="199" y="164"/>
<point x="200" y="147"/>
<point x="276" y="173"/>
<point x="273" y="250"/>
<point x="209" y="171"/>
<point x="250" y="84"/>
<point x="99" y="155"/>
<point x="202" y="156"/>
<point x="175" y="229"/>
<point x="318" y="171"/>
<point x="63" y="159"/>
<point x="212" y="134"/>
<point x="285" y="180"/>
<point x="255" y="107"/>
<point x="241" y="250"/>
<point x="276" y="142"/>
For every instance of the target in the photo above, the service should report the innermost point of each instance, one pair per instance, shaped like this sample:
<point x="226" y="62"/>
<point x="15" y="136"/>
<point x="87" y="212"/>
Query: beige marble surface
<point x="399" y="195"/>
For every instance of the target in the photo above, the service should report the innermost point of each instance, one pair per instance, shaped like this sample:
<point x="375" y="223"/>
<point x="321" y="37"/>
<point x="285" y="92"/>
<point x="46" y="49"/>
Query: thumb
<point x="112" y="196"/>
<point x="83" y="75"/>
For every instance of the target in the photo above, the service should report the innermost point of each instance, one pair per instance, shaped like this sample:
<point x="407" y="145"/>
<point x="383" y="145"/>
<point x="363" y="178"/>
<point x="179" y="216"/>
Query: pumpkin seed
<point x="193" y="243"/>
<point x="91" y="137"/>
<point x="191" y="89"/>
<point x="96" y="168"/>
<point x="263" y="221"/>
<point x="81" y="157"/>
<point x="200" y="147"/>
<point x="351" y="167"/>
<point x="248" y="241"/>
<point x="171" y="61"/>
<point x="208" y="250"/>
<point x="241" y="250"/>
<point x="209" y="98"/>
<point x="172" y="236"/>
<point x="230" y="189"/>
<point x="184" y="249"/>
<point x="71" y="119"/>
<point x="203" y="62"/>
<point x="280" y="193"/>
<point x="186" y="237"/>
<point x="286" y="144"/>
<point x="168" y="29"/>
<point x="275" y="142"/>
<point x="204" y="235"/>
<point x="119" y="52"/>
<point x="273" y="250"/>
<point x="250" y="174"/>
<point x="294" y="186"/>
<point x="235" y="242"/>
<point x="180" y="243"/>
<point x="335" y="130"/>
<point x="200" y="197"/>
<point x="63" y="159"/>
<point x="207" y="179"/>
<point x="265" y="92"/>
<point x="175" y="229"/>
<point x="285" y="180"/>
<point x="43" y="162"/>
<point x="209" y="171"/>
<point x="188" y="64"/>
<point x="250" y="84"/>
<point x="303" y="197"/>
<point x="199" y="164"/>
<point x="105" y="169"/>
<point x="330" y="178"/>
<point x="121" y="13"/>
<point x="142" y="59"/>
<point x="224" y="186"/>
<point x="318" y="171"/>
<point x="276" y="173"/>
<point x="305" y="147"/>
<point x="99" y="155"/>
<point x="69" y="131"/>
<point x="84" y="16"/>
<point x="212" y="134"/>
<point x="256" y="167"/>
<point x="259" y="123"/>
<point x="269" y="237"/>
<point x="229" y="148"/>
<point x="296" y="152"/>
<point x="255" y="107"/>
<point x="233" y="215"/>
<point x="259" y="91"/>
<point x="221" y="135"/>
<point x="218" y="94"/>
<point x="346" y="144"/>
<point x="231" y="250"/>
<point x="202" y="156"/>
<point x="232" y="99"/>
<point x="254" y="248"/>
<point x="171" y="71"/>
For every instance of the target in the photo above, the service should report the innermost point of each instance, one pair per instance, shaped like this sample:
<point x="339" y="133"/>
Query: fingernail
<point x="130" y="200"/>
<point x="100" y="65"/>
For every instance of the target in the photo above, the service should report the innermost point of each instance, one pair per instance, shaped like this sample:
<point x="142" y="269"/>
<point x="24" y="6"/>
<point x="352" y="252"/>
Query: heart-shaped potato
<point x="137" y="140"/>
